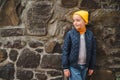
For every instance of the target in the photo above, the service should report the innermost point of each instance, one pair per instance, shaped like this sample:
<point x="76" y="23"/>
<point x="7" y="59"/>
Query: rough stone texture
<point x="13" y="55"/>
<point x="0" y="43"/>
<point x="24" y="74"/>
<point x="70" y="3"/>
<point x="35" y="44"/>
<point x="41" y="76"/>
<point x="49" y="47"/>
<point x="110" y="4"/>
<point x="15" y="44"/>
<point x="58" y="23"/>
<point x="108" y="75"/>
<point x="8" y="15"/>
<point x="28" y="59"/>
<point x="59" y="28"/>
<point x="3" y="55"/>
<point x="8" y="44"/>
<point x="113" y="62"/>
<point x="7" y="71"/>
<point x="12" y="32"/>
<point x="19" y="44"/>
<point x="105" y="17"/>
<point x="57" y="48"/>
<point x="39" y="50"/>
<point x="89" y="4"/>
<point x="107" y="24"/>
<point x="54" y="73"/>
<point x="38" y="17"/>
<point x="62" y="28"/>
<point x="51" y="61"/>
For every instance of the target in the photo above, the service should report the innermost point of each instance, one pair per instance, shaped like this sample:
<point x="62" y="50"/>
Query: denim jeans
<point x="78" y="74"/>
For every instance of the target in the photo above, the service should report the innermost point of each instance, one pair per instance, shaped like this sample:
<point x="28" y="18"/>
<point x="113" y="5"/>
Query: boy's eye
<point x="77" y="20"/>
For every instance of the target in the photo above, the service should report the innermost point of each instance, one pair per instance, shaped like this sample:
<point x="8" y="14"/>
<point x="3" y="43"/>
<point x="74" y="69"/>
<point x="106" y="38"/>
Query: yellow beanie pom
<point x="84" y="14"/>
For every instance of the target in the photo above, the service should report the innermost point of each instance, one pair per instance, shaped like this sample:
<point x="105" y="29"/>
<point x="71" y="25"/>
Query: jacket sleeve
<point x="66" y="51"/>
<point x="93" y="55"/>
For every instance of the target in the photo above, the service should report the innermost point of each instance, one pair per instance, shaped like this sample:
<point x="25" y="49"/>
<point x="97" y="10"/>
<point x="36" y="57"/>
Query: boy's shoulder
<point x="89" y="32"/>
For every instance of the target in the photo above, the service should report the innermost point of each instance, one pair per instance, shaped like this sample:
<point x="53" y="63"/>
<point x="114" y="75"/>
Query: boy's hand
<point x="90" y="72"/>
<point x="67" y="72"/>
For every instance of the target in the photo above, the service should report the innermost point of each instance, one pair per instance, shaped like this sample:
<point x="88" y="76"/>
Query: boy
<point x="79" y="49"/>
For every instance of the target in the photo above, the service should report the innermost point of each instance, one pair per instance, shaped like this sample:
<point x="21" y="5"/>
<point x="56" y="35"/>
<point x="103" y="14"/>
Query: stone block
<point x="8" y="14"/>
<point x="70" y="3"/>
<point x="37" y="17"/>
<point x="7" y="71"/>
<point x="51" y="61"/>
<point x="18" y="44"/>
<point x="103" y="75"/>
<point x="49" y="47"/>
<point x="3" y="55"/>
<point x="89" y="4"/>
<point x="28" y="59"/>
<point x="41" y="76"/>
<point x="12" y="32"/>
<point x="13" y="55"/>
<point x="24" y="74"/>
<point x="54" y="73"/>
<point x="35" y="44"/>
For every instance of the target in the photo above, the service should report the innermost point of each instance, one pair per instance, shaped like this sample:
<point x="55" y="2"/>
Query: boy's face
<point x="78" y="22"/>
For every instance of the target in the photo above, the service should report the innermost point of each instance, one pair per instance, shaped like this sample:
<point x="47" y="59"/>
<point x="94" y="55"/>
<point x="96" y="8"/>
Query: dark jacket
<point x="70" y="49"/>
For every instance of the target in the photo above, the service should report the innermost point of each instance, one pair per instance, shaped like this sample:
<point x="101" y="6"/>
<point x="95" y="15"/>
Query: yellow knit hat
<point x="84" y="14"/>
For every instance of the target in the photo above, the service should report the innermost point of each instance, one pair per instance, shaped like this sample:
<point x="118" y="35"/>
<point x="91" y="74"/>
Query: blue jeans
<point x="78" y="74"/>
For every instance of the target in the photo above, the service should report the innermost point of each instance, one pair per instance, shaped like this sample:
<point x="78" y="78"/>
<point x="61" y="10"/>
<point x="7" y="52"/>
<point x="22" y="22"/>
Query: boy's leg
<point x="83" y="72"/>
<point x="75" y="74"/>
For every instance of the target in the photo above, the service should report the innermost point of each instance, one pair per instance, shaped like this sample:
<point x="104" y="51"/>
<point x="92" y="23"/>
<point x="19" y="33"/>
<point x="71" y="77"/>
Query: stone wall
<point x="32" y="33"/>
